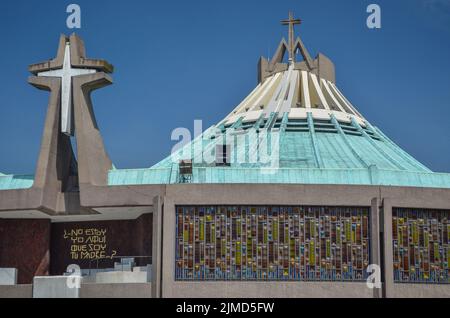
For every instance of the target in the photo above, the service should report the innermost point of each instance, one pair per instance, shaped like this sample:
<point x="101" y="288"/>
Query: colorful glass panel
<point x="272" y="243"/>
<point x="421" y="243"/>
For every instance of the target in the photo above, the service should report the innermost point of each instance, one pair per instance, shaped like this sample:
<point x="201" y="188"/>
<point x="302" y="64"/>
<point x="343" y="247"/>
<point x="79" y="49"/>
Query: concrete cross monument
<point x="66" y="73"/>
<point x="70" y="78"/>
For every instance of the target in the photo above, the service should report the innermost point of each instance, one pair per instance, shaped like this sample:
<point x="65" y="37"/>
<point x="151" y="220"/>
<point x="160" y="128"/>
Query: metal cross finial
<point x="66" y="73"/>
<point x="291" y="22"/>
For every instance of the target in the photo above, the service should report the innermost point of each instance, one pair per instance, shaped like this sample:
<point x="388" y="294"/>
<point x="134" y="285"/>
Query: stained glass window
<point x="421" y="242"/>
<point x="272" y="243"/>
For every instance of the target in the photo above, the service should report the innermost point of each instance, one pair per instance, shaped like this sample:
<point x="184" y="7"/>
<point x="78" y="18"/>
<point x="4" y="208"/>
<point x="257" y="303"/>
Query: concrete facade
<point x="380" y="199"/>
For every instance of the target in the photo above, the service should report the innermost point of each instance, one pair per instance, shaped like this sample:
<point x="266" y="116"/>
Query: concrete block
<point x="54" y="287"/>
<point x="126" y="264"/>
<point x="120" y="267"/>
<point x="8" y="276"/>
<point x="122" y="277"/>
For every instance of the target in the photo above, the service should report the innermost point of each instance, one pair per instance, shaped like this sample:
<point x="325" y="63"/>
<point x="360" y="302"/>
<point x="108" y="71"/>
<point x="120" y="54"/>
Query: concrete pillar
<point x="168" y="267"/>
<point x="388" y="262"/>
<point x="158" y="206"/>
<point x="375" y="239"/>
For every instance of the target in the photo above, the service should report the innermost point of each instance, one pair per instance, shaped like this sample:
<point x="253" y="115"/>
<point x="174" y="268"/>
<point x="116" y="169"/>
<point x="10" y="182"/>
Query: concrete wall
<point x="17" y="291"/>
<point x="381" y="200"/>
<point x="266" y="290"/>
<point x="40" y="248"/>
<point x="420" y="291"/>
<point x="409" y="198"/>
<point x="143" y="290"/>
<point x="240" y="290"/>
<point x="24" y="244"/>
<point x="122" y="238"/>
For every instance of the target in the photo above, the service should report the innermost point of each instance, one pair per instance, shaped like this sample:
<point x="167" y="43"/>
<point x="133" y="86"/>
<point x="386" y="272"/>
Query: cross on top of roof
<point x="291" y="22"/>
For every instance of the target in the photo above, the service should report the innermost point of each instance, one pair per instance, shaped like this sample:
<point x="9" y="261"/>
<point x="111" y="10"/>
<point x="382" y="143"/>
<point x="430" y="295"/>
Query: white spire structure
<point x="296" y="92"/>
<point x="66" y="73"/>
<point x="296" y="88"/>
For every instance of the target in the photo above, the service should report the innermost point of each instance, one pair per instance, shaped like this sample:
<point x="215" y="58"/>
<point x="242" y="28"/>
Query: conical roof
<point x="296" y="126"/>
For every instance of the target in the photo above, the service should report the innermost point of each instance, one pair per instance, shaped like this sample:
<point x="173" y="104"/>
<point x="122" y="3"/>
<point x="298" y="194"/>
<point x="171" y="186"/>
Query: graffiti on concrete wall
<point x="88" y="244"/>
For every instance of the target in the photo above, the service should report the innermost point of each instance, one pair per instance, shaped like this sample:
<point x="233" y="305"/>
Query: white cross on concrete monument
<point x="66" y="73"/>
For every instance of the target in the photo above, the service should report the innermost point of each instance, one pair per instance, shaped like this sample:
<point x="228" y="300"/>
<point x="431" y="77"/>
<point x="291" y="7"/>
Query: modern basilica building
<point x="294" y="194"/>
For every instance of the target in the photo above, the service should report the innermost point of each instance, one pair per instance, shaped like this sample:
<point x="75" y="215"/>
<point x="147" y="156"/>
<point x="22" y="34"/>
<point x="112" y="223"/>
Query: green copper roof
<point x="371" y="176"/>
<point x="310" y="152"/>
<point x="11" y="182"/>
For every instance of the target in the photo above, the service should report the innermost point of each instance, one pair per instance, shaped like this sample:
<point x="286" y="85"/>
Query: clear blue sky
<point x="180" y="60"/>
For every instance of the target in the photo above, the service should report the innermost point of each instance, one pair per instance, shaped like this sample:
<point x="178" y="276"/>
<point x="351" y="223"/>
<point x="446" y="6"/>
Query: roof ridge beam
<point x="258" y="123"/>
<point x="284" y="122"/>
<point x="238" y="123"/>
<point x="373" y="143"/>
<point x="271" y="121"/>
<point x="398" y="149"/>
<point x="312" y="132"/>
<point x="348" y="143"/>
